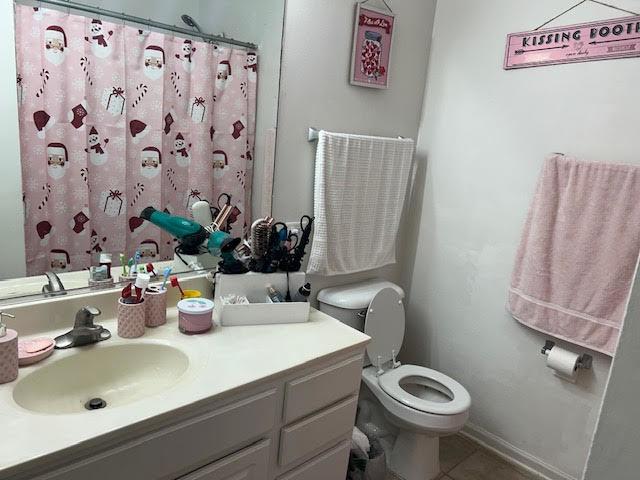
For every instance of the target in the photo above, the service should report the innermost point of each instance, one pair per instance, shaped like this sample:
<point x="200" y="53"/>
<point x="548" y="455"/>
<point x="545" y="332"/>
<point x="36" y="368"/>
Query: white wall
<point x="315" y="91"/>
<point x="483" y="138"/>
<point x="11" y="211"/>
<point x="166" y="11"/>
<point x="260" y="22"/>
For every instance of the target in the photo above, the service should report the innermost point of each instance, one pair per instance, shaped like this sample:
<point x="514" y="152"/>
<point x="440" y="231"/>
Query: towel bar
<point x="312" y="135"/>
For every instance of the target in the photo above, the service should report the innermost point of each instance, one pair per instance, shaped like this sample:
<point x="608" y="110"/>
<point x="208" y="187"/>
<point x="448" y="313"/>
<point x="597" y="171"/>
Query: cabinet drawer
<point x="312" y="433"/>
<point x="310" y="393"/>
<point x="331" y="464"/>
<point x="252" y="463"/>
<point x="176" y="450"/>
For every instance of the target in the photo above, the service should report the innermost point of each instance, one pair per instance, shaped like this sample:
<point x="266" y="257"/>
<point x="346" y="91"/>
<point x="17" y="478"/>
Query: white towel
<point x="360" y="187"/>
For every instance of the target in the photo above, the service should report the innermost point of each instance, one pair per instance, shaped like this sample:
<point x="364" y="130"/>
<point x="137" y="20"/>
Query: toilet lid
<point x="400" y="382"/>
<point x="384" y="323"/>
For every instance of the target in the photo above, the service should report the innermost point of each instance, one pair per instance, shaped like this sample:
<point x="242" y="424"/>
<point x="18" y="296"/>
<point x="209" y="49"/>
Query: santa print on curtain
<point x="113" y="119"/>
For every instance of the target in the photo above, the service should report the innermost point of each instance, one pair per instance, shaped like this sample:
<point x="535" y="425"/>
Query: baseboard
<point x="517" y="457"/>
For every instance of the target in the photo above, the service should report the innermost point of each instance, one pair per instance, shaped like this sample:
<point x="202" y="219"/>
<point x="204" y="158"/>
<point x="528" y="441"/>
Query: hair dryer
<point x="190" y="234"/>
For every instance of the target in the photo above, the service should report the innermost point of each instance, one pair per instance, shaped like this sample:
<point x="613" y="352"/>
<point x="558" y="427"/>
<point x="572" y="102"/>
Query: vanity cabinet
<point x="310" y="434"/>
<point x="168" y="452"/>
<point x="329" y="465"/>
<point x="295" y="427"/>
<point x="249" y="464"/>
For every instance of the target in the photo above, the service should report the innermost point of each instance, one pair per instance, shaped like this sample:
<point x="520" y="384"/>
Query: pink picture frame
<point x="372" y="47"/>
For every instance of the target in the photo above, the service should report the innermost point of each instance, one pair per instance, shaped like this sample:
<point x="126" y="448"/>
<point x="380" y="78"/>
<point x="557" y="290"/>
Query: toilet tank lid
<point x="356" y="296"/>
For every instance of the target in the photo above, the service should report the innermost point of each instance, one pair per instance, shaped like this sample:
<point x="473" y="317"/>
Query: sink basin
<point x="118" y="374"/>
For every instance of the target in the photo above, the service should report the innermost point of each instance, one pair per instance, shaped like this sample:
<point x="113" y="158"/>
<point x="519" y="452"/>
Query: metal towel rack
<point x="312" y="135"/>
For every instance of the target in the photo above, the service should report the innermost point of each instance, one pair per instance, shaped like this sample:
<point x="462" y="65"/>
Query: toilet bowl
<point x="422" y="403"/>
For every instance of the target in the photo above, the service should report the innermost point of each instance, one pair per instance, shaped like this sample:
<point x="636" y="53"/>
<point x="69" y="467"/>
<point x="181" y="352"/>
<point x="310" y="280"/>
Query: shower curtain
<point x="114" y="119"/>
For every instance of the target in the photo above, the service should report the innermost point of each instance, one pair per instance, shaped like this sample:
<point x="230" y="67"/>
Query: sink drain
<point x="95" y="404"/>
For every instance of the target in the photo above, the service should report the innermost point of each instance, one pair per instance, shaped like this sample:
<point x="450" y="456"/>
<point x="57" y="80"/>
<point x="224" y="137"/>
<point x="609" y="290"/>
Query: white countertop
<point x="223" y="360"/>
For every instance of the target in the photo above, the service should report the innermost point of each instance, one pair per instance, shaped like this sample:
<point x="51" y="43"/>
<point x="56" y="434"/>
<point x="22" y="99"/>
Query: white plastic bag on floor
<point x="376" y="468"/>
<point x="360" y="443"/>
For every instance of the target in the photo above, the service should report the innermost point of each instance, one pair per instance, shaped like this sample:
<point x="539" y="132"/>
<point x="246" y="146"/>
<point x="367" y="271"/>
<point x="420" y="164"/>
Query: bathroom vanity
<point x="252" y="403"/>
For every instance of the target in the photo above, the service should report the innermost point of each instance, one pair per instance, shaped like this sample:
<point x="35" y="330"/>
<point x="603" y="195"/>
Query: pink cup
<point x="156" y="300"/>
<point x="131" y="317"/>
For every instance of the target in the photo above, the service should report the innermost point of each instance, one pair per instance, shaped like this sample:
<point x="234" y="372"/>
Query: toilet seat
<point x="384" y="323"/>
<point x="391" y="381"/>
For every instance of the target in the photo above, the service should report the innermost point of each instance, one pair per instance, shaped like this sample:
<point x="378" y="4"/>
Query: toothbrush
<point x="130" y="264"/>
<point x="136" y="260"/>
<point x="174" y="283"/>
<point x="150" y="269"/>
<point x="126" y="293"/>
<point x="166" y="273"/>
<point x="123" y="264"/>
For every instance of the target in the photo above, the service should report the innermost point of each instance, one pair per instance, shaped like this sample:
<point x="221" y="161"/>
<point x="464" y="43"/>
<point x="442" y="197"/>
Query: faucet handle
<point x="84" y="317"/>
<point x="93" y="311"/>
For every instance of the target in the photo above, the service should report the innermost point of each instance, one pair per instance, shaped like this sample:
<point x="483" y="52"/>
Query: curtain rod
<point x="151" y="23"/>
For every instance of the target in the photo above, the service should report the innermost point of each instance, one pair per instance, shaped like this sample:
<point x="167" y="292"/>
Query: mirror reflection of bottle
<point x="274" y="295"/>
<point x="303" y="293"/>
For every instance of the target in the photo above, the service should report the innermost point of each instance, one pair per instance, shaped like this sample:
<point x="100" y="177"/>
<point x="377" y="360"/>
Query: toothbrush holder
<point x="126" y="278"/>
<point x="131" y="319"/>
<point x="156" y="311"/>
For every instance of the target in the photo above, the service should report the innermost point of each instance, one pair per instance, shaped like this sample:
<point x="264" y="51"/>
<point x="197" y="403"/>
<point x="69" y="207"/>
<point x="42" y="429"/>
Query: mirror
<point x="114" y="115"/>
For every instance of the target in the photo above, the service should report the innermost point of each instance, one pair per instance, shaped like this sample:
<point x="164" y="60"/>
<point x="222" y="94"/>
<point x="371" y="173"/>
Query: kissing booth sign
<point x="603" y="40"/>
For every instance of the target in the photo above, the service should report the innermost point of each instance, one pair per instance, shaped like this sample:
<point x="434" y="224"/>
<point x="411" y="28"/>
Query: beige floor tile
<point x="442" y="476"/>
<point x="453" y="450"/>
<point x="483" y="466"/>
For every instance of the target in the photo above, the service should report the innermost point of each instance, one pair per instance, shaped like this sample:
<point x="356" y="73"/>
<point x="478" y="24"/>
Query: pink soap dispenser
<point x="8" y="351"/>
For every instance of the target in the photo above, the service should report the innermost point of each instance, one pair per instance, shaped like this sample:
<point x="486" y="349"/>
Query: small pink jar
<point x="195" y="315"/>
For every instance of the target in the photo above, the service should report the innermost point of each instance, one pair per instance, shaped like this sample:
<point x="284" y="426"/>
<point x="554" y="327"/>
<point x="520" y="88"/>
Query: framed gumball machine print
<point x="372" y="41"/>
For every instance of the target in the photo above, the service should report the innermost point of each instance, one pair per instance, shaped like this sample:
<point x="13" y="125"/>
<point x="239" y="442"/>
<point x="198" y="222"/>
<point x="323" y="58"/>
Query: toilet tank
<point x="345" y="302"/>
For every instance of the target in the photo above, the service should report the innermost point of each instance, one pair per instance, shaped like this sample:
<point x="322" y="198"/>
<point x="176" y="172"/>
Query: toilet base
<point x="415" y="456"/>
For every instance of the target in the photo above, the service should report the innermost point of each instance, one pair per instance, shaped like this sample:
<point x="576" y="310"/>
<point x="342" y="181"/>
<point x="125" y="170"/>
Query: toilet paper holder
<point x="585" y="361"/>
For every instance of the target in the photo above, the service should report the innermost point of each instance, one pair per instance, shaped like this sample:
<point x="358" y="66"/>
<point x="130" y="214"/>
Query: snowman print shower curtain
<point x="113" y="119"/>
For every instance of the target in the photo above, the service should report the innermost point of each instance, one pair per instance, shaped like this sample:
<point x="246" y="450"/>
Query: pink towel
<point x="579" y="252"/>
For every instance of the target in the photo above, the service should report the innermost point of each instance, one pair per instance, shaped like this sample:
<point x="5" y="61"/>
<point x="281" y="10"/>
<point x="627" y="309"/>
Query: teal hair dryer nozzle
<point x="189" y="233"/>
<point x="221" y="244"/>
<point x="216" y="239"/>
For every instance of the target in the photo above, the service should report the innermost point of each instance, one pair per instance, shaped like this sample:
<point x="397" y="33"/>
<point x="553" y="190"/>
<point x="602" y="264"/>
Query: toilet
<point x="422" y="404"/>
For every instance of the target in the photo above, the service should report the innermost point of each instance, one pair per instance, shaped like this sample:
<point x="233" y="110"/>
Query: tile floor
<point x="461" y="459"/>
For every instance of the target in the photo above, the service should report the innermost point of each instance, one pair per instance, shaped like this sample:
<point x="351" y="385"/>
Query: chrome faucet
<point x="54" y="287"/>
<point x="84" y="331"/>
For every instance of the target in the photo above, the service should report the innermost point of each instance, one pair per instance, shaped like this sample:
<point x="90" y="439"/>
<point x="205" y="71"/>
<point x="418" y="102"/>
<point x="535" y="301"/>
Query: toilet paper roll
<point x="564" y="363"/>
